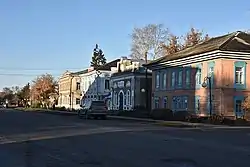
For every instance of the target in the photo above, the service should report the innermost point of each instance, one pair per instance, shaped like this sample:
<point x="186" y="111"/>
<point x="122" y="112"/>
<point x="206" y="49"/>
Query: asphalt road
<point x="44" y="140"/>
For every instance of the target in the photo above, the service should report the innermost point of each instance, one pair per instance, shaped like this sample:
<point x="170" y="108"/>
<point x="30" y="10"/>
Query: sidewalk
<point x="157" y="122"/>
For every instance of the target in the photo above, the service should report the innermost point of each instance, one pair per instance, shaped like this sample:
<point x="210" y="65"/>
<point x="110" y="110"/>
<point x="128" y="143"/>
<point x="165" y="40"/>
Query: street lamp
<point x="98" y="73"/>
<point x="143" y="90"/>
<point x="204" y="85"/>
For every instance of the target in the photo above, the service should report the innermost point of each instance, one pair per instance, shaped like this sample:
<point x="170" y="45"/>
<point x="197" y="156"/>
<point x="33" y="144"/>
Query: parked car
<point x="94" y="109"/>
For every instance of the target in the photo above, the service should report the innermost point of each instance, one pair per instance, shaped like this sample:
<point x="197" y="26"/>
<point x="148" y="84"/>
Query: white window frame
<point x="240" y="73"/>
<point x="164" y="80"/>
<point x="165" y="102"/>
<point x="180" y="76"/>
<point x="157" y="80"/>
<point x="173" y="79"/>
<point x="128" y="98"/>
<point x="156" y="101"/>
<point x="198" y="76"/>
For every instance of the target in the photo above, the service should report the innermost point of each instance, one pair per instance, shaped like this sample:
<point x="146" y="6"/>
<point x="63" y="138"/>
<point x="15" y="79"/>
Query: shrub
<point x="36" y="105"/>
<point x="241" y="121"/>
<point x="60" y="108"/>
<point x="216" y="119"/>
<point x="162" y="114"/>
<point x="139" y="108"/>
<point x="187" y="116"/>
<point x="134" y="113"/>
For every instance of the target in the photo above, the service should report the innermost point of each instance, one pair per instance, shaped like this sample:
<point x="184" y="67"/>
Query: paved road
<point x="43" y="140"/>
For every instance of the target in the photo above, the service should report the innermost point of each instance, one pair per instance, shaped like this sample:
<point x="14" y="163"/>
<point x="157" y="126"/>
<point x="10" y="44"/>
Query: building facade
<point x="129" y="85"/>
<point x="95" y="83"/>
<point x="178" y="79"/>
<point x="69" y="90"/>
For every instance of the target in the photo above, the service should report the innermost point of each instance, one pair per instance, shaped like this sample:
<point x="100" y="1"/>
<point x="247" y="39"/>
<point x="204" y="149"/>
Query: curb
<point x="156" y="122"/>
<point x="159" y="122"/>
<point x="51" y="112"/>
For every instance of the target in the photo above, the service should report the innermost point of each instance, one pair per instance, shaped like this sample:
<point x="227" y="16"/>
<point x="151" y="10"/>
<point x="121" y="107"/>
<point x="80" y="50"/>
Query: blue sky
<point x="38" y="36"/>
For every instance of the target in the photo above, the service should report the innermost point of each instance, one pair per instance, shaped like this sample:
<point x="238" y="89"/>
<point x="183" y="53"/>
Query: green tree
<point x="24" y="94"/>
<point x="98" y="58"/>
<point x="8" y="94"/>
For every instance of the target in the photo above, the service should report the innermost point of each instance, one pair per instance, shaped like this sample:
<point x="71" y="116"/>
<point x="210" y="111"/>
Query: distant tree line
<point x="42" y="92"/>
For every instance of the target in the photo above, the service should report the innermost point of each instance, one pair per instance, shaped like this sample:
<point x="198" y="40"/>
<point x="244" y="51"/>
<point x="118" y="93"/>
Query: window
<point x="128" y="98"/>
<point x="197" y="104"/>
<point x="114" y="98"/>
<point x="211" y="71"/>
<point x="78" y="86"/>
<point x="156" y="102"/>
<point x="164" y="80"/>
<point x="173" y="79"/>
<point x="185" y="103"/>
<point x="188" y="77"/>
<point x="240" y="75"/>
<point x="180" y="78"/>
<point x="239" y="79"/>
<point x="117" y="99"/>
<point x="198" y="76"/>
<point x="238" y="106"/>
<point x="157" y="81"/>
<point x="125" y="99"/>
<point x="107" y="85"/>
<point x="78" y="101"/>
<point x="165" y="102"/>
<point x="239" y="113"/>
<point x="179" y="103"/>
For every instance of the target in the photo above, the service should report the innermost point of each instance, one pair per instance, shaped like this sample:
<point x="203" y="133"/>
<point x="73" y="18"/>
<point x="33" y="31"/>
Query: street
<point x="44" y="140"/>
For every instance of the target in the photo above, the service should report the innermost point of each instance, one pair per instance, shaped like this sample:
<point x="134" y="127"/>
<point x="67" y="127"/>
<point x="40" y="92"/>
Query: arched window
<point x="117" y="99"/>
<point x="128" y="98"/>
<point x="114" y="98"/>
<point x="125" y="99"/>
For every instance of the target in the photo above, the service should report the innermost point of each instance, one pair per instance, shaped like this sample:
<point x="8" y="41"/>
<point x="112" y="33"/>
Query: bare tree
<point x="148" y="39"/>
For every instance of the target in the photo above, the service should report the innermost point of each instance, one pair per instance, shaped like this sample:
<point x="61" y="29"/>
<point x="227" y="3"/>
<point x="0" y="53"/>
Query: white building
<point x="95" y="83"/>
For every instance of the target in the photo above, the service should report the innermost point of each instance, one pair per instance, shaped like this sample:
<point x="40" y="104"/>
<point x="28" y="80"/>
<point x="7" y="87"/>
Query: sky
<point x="52" y="36"/>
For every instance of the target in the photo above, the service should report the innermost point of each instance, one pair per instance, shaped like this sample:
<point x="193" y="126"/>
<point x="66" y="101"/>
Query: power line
<point x="40" y="69"/>
<point x="27" y="75"/>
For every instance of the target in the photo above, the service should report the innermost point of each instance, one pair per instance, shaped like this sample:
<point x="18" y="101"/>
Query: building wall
<point x="224" y="90"/>
<point x="122" y="88"/>
<point x="93" y="86"/>
<point x="66" y="99"/>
